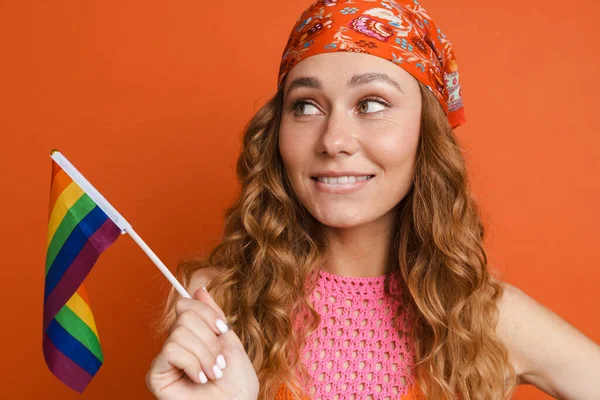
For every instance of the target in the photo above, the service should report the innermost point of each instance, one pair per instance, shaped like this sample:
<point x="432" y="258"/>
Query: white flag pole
<point x="158" y="263"/>
<point x="114" y="215"/>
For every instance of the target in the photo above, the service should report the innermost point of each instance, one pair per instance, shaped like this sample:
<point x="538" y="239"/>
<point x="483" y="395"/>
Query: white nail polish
<point x="221" y="326"/>
<point x="217" y="371"/>
<point x="221" y="361"/>
<point x="203" y="378"/>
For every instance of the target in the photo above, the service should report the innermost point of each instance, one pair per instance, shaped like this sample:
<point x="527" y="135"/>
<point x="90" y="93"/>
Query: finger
<point x="196" y="324"/>
<point x="201" y="299"/>
<point x="230" y="340"/>
<point x="205" y="297"/>
<point x="213" y="319"/>
<point x="174" y="355"/>
<point x="193" y="344"/>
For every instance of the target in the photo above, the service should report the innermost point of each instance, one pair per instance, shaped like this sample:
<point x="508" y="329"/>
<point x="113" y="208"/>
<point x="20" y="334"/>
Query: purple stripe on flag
<point x="66" y="370"/>
<point x="106" y="234"/>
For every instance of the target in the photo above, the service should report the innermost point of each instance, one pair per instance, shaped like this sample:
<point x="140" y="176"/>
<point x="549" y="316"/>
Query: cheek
<point x="394" y="147"/>
<point x="292" y="148"/>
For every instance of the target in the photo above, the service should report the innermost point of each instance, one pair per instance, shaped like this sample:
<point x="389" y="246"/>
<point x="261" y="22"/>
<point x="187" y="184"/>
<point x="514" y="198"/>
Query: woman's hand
<point x="187" y="366"/>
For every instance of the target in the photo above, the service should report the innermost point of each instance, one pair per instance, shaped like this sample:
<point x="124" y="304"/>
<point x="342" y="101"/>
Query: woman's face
<point x="349" y="115"/>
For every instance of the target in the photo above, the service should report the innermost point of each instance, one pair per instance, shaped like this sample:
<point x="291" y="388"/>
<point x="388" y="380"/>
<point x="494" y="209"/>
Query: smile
<point x="343" y="180"/>
<point x="342" y="184"/>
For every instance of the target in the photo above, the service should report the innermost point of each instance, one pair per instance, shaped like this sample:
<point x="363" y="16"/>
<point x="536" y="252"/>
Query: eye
<point x="370" y="105"/>
<point x="300" y="108"/>
<point x="380" y="105"/>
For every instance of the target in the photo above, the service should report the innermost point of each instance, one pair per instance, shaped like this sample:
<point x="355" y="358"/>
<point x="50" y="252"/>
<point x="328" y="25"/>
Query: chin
<point x="341" y="220"/>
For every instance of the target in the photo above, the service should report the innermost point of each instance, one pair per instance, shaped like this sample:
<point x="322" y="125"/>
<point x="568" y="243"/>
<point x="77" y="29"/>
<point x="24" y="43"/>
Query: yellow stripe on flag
<point x="67" y="198"/>
<point x="81" y="308"/>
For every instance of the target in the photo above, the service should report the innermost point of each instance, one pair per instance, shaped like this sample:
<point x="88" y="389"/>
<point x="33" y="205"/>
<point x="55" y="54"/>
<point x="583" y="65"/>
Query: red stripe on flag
<point x="64" y="368"/>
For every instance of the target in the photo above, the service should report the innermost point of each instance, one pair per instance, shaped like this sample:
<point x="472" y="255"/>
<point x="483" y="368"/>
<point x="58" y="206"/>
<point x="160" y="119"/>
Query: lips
<point x="335" y="174"/>
<point x="342" y="185"/>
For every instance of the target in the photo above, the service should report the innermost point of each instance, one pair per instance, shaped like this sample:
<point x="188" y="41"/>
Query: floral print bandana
<point x="399" y="31"/>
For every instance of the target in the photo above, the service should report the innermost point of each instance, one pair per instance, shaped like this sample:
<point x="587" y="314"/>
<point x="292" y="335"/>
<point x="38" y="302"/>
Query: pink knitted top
<point x="358" y="351"/>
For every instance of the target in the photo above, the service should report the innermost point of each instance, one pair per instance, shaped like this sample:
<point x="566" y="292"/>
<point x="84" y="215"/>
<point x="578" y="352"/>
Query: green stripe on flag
<point x="74" y="215"/>
<point x="79" y="330"/>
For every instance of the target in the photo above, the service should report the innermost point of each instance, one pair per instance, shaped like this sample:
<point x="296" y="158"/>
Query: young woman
<point x="352" y="265"/>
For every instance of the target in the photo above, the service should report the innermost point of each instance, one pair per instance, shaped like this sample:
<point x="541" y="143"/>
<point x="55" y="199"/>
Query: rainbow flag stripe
<point x="78" y="232"/>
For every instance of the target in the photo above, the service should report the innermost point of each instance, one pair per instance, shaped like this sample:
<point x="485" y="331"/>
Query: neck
<point x="362" y="251"/>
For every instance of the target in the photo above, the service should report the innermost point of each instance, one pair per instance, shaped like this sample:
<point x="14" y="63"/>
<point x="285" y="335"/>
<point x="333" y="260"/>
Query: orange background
<point x="148" y="99"/>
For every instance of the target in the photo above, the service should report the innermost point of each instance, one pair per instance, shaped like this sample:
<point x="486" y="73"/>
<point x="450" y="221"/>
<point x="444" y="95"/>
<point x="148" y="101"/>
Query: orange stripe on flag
<point x="59" y="183"/>
<point x="83" y="294"/>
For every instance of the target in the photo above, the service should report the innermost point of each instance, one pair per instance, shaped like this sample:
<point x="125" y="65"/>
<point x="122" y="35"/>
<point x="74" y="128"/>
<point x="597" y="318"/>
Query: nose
<point x="340" y="135"/>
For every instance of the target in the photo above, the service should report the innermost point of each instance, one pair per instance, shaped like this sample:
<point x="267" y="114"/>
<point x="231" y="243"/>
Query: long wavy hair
<point x="270" y="254"/>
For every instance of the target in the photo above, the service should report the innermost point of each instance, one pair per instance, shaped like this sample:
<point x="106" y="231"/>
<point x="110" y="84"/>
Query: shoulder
<point x="201" y="277"/>
<point x="511" y="297"/>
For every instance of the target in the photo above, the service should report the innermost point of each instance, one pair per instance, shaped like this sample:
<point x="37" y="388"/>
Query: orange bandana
<point x="399" y="31"/>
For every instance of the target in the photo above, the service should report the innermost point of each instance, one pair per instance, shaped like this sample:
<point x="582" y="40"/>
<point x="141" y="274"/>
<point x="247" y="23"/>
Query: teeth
<point x="343" y="180"/>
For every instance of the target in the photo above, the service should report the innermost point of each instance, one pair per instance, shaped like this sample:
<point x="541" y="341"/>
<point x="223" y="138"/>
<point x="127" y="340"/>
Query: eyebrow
<point x="356" y="80"/>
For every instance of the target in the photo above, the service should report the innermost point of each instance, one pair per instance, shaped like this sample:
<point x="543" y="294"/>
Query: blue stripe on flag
<point x="72" y="247"/>
<point x="72" y="348"/>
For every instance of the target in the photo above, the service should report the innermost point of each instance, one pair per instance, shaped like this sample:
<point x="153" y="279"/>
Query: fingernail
<point x="217" y="371"/>
<point x="203" y="378"/>
<point x="204" y="289"/>
<point x="222" y="326"/>
<point x="221" y="361"/>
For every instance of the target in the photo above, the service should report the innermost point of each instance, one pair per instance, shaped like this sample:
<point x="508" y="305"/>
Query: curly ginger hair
<point x="269" y="257"/>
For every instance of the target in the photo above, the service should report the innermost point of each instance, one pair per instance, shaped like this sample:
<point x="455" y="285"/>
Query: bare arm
<point x="546" y="350"/>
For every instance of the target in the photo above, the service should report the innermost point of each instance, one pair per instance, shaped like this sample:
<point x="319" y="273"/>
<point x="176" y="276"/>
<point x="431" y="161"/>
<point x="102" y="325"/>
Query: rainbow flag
<point x="81" y="225"/>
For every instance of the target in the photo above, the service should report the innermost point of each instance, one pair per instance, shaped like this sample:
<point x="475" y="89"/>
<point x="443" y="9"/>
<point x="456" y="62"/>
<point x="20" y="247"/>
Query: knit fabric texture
<point x="360" y="349"/>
